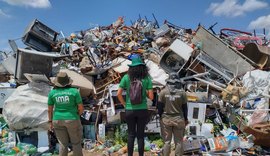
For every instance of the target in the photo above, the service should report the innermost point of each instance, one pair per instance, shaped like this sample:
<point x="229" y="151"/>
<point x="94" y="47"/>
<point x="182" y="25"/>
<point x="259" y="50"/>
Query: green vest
<point x="65" y="102"/>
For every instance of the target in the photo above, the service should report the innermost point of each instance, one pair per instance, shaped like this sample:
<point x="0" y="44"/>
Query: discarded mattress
<point x="86" y="87"/>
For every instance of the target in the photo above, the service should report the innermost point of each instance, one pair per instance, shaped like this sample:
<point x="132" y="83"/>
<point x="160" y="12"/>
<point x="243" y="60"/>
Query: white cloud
<point x="261" y="23"/>
<point x="3" y="14"/>
<point x="232" y="8"/>
<point x="30" y="3"/>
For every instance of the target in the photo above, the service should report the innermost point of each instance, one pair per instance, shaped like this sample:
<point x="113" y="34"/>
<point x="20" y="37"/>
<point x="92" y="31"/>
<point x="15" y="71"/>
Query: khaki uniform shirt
<point x="173" y="102"/>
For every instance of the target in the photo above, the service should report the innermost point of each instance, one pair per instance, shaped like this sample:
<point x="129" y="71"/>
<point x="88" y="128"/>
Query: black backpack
<point x="135" y="92"/>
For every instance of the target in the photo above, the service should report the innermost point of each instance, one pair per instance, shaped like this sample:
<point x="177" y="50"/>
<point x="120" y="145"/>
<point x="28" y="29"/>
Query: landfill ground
<point x="226" y="82"/>
<point x="86" y="153"/>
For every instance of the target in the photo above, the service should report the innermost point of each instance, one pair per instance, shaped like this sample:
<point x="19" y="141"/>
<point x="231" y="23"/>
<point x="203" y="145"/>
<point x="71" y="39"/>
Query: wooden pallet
<point x="112" y="78"/>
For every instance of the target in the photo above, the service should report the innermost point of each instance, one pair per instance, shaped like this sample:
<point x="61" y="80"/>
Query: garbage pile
<point x="225" y="76"/>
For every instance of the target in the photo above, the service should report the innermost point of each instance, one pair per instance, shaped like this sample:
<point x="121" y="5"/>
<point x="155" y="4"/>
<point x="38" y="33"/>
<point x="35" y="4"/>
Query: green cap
<point x="136" y="61"/>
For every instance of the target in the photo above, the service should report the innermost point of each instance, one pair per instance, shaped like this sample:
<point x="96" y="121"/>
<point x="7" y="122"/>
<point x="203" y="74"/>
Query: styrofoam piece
<point x="181" y="49"/>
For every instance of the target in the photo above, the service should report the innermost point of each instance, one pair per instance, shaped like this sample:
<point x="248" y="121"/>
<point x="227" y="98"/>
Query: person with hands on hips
<point x="173" y="101"/>
<point x="64" y="110"/>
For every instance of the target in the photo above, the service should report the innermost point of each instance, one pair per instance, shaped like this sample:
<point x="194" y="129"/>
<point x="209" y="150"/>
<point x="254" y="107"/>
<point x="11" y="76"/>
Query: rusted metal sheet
<point x="222" y="52"/>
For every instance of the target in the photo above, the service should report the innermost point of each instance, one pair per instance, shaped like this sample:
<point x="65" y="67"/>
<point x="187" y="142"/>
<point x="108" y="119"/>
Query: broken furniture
<point x="233" y="94"/>
<point x="204" y="63"/>
<point x="101" y="84"/>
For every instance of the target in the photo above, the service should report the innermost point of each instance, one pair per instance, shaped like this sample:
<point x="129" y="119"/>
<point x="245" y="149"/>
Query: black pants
<point x="136" y="121"/>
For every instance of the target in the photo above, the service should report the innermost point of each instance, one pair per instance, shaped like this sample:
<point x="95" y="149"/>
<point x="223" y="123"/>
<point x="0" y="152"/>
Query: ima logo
<point x="172" y="97"/>
<point x="62" y="99"/>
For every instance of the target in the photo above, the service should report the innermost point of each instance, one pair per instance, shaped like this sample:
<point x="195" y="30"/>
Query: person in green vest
<point x="64" y="110"/>
<point x="136" y="114"/>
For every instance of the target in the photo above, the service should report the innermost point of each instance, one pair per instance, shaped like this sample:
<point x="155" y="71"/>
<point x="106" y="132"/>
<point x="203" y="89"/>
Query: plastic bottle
<point x="146" y="145"/>
<point x="10" y="137"/>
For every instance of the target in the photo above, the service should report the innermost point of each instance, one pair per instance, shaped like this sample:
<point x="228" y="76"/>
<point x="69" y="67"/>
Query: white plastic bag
<point x="27" y="107"/>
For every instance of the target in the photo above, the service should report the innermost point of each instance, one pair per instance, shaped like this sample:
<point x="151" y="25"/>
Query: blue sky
<point x="73" y="15"/>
